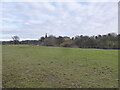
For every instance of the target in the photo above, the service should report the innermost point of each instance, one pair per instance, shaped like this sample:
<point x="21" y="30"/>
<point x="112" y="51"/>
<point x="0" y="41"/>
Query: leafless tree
<point x="16" y="39"/>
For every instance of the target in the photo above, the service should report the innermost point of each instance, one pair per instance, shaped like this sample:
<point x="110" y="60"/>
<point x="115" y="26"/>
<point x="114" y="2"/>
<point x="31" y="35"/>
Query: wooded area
<point x="109" y="41"/>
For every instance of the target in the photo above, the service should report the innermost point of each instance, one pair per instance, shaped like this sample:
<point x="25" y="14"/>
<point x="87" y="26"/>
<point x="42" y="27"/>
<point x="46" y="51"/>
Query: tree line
<point x="108" y="41"/>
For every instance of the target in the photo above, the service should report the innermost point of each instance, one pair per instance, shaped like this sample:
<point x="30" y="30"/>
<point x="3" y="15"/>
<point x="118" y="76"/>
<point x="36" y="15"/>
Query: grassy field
<point x="58" y="67"/>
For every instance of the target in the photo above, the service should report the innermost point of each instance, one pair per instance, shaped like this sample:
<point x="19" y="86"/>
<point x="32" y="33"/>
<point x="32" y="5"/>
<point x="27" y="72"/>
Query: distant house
<point x="66" y="38"/>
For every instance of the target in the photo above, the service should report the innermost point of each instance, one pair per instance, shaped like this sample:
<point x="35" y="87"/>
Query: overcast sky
<point x="31" y="20"/>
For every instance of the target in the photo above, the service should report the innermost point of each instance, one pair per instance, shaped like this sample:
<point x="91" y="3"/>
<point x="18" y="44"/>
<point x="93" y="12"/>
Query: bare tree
<point x="16" y="39"/>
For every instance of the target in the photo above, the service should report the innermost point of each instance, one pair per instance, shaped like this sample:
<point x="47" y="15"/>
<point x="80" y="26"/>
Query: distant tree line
<point x="108" y="41"/>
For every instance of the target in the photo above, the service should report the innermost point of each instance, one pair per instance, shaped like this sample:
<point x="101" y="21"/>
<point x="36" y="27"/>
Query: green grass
<point x="58" y="67"/>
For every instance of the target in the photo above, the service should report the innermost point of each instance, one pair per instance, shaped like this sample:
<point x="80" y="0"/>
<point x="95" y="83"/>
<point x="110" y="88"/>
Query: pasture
<point x="58" y="67"/>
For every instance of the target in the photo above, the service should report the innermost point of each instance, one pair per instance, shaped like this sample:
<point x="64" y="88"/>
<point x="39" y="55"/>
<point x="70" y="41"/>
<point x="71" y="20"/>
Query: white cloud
<point x="59" y="0"/>
<point x="32" y="19"/>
